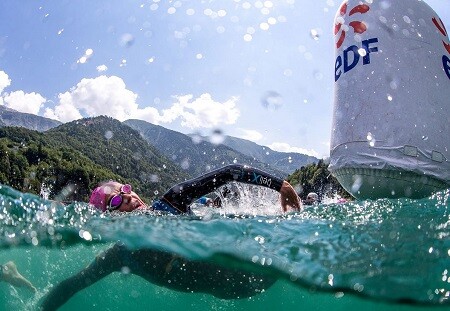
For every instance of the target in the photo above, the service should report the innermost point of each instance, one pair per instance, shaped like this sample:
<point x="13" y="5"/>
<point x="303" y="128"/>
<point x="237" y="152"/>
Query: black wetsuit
<point x="170" y="270"/>
<point x="181" y="196"/>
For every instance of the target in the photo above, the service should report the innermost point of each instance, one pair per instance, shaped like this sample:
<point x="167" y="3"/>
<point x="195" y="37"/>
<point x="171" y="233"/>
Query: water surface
<point x="377" y="255"/>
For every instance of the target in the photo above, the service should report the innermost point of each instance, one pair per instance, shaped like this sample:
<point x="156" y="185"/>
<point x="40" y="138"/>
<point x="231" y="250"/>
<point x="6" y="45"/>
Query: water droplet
<point x="357" y="183"/>
<point x="109" y="135"/>
<point x="221" y="13"/>
<point x="318" y="75"/>
<point x="185" y="164"/>
<point x="220" y="29"/>
<point x="287" y="72"/>
<point x="126" y="40"/>
<point x="154" y="178"/>
<point x="125" y="270"/>
<point x="362" y="52"/>
<point x="102" y="68"/>
<point x="264" y="26"/>
<point x="315" y="34"/>
<point x="248" y="37"/>
<point x="272" y="100"/>
<point x="272" y="20"/>
<point x="260" y="239"/>
<point x="339" y="295"/>
<point x="217" y="137"/>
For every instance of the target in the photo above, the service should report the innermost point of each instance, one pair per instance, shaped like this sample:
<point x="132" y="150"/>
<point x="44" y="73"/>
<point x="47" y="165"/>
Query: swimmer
<point x="113" y="196"/>
<point x="163" y="268"/>
<point x="311" y="199"/>
<point x="10" y="274"/>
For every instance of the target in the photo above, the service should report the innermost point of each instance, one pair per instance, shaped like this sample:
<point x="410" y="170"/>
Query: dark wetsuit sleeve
<point x="104" y="264"/>
<point x="183" y="194"/>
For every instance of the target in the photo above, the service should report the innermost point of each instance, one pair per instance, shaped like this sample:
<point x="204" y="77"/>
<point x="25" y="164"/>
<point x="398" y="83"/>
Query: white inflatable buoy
<point x="390" y="134"/>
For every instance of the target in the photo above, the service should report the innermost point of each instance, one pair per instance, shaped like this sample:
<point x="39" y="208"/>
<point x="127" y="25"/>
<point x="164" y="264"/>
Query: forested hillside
<point x="316" y="178"/>
<point x="197" y="157"/>
<point x="81" y="154"/>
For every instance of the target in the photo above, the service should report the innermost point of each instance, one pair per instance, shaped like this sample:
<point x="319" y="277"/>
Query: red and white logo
<point x="340" y="28"/>
<point x="440" y="26"/>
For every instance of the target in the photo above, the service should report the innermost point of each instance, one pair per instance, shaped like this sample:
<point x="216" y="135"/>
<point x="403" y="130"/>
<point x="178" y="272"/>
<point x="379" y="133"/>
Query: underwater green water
<point x="371" y="255"/>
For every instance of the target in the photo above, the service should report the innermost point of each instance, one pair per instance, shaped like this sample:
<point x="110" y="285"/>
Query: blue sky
<point x="259" y="70"/>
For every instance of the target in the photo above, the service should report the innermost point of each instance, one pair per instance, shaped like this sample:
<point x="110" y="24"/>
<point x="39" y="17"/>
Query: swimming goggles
<point x="117" y="200"/>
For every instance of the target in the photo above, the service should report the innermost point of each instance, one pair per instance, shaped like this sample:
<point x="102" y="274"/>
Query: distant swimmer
<point x="311" y="199"/>
<point x="163" y="268"/>
<point x="10" y="274"/>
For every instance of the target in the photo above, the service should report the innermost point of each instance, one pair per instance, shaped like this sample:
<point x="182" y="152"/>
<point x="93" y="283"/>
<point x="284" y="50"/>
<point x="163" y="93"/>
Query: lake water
<point x="362" y="255"/>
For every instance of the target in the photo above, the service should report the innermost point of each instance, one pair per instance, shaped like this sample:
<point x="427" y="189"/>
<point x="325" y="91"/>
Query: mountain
<point x="78" y="155"/>
<point x="196" y="157"/>
<point x="29" y="163"/>
<point x="120" y="149"/>
<point x="283" y="161"/>
<point x="11" y="117"/>
<point x="203" y="155"/>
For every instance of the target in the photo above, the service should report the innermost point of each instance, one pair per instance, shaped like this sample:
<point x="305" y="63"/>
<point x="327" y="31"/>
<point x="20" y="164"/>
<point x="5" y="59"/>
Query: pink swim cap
<point x="98" y="198"/>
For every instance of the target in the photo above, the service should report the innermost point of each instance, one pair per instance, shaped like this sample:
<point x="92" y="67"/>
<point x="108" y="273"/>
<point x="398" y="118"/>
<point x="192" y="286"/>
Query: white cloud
<point x="50" y="113"/>
<point x="19" y="100"/>
<point x="4" y="81"/>
<point x="202" y="111"/>
<point x="284" y="147"/>
<point x="109" y="96"/>
<point x="99" y="96"/>
<point x="251" y="135"/>
<point x="24" y="102"/>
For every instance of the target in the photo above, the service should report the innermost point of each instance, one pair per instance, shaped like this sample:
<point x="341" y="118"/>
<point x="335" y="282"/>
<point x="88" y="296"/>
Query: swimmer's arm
<point x="289" y="197"/>
<point x="104" y="264"/>
<point x="183" y="194"/>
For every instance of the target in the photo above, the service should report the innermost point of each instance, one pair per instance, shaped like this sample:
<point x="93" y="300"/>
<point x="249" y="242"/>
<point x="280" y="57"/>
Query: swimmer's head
<point x="312" y="196"/>
<point x="99" y="196"/>
<point x="113" y="195"/>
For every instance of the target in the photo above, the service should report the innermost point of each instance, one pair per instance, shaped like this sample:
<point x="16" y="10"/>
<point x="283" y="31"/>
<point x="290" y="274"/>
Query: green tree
<point x="316" y="178"/>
